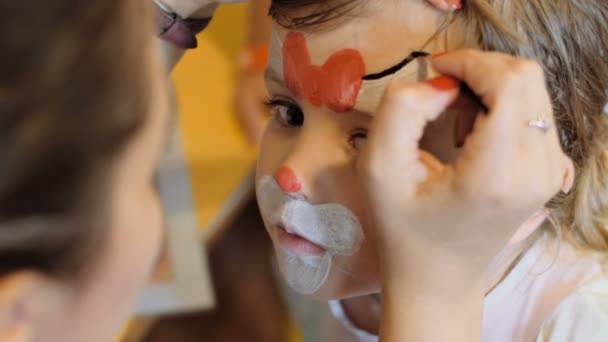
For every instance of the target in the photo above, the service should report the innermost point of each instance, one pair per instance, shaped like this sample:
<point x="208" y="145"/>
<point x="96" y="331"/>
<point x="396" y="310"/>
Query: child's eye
<point x="288" y="113"/>
<point x="358" y="139"/>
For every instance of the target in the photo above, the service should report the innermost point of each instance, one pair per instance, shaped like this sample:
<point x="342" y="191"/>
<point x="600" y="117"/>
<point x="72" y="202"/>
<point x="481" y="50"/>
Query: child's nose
<point x="287" y="180"/>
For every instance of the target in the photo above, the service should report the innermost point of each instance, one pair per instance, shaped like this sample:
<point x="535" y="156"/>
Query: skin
<point x="386" y="181"/>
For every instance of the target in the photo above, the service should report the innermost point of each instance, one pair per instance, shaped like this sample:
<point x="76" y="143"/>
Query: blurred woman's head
<point x="83" y="116"/>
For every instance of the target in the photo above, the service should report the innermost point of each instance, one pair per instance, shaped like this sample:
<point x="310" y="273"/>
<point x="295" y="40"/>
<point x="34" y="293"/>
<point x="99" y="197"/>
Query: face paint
<point x="332" y="227"/>
<point x="287" y="180"/>
<point x="335" y="84"/>
<point x="341" y="83"/>
<point x="373" y="87"/>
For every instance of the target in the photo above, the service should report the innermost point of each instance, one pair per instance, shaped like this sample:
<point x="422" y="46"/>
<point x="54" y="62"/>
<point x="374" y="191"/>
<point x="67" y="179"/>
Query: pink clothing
<point x="554" y="293"/>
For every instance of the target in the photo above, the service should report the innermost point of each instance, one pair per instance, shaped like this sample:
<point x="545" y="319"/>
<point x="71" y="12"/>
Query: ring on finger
<point x="541" y="123"/>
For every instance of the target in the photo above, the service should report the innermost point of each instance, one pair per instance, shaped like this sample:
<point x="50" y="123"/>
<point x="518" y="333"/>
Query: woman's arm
<point x="423" y="307"/>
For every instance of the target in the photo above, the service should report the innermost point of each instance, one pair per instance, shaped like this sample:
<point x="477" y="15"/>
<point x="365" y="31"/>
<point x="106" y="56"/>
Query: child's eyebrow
<point x="395" y="68"/>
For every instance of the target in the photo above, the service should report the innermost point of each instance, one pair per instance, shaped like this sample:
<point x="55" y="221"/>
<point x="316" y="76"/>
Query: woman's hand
<point x="438" y="225"/>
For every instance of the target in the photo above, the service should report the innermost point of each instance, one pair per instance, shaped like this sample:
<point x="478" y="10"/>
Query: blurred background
<point x="217" y="281"/>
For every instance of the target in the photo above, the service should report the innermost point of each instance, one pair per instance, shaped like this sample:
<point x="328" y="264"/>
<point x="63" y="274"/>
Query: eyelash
<point x="276" y="104"/>
<point x="359" y="133"/>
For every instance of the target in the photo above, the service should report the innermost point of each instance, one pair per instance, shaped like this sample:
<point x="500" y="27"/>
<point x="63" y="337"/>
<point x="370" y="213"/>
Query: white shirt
<point x="554" y="293"/>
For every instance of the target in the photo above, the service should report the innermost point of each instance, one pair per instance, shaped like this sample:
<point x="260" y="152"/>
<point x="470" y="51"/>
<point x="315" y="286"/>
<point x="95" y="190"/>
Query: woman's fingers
<point x="480" y="70"/>
<point x="505" y="159"/>
<point x="399" y="124"/>
<point x="506" y="153"/>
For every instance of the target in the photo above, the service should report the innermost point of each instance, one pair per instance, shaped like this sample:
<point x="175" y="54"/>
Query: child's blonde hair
<point x="570" y="39"/>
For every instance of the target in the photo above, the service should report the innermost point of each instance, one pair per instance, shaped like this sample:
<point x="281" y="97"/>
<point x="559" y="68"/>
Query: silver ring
<point x="540" y="123"/>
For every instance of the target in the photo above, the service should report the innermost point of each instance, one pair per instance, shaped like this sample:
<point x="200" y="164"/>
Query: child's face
<point x="307" y="185"/>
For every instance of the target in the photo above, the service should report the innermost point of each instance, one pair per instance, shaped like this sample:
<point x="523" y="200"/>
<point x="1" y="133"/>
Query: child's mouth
<point x="298" y="244"/>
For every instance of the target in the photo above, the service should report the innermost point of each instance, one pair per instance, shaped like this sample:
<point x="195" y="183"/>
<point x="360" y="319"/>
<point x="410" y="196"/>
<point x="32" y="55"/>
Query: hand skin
<point x="439" y="225"/>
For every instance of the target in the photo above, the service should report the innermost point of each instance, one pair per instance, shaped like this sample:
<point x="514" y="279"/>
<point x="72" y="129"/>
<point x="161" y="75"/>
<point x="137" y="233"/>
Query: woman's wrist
<point x="430" y="271"/>
<point x="415" y="310"/>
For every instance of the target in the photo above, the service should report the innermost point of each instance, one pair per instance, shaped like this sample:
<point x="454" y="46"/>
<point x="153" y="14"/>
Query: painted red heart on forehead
<point x="334" y="84"/>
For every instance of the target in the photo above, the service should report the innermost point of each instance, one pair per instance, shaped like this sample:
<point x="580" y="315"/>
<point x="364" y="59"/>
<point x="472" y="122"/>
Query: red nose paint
<point x="335" y="84"/>
<point x="287" y="180"/>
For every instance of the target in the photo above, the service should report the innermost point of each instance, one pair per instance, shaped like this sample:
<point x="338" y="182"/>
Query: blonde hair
<point x="570" y="39"/>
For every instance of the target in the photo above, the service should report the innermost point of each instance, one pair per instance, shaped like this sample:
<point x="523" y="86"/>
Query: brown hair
<point x="314" y="14"/>
<point x="570" y="39"/>
<point x="72" y="93"/>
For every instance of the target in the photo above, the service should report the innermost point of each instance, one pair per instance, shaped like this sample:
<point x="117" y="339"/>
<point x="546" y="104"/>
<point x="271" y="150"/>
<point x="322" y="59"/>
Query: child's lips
<point x="298" y="244"/>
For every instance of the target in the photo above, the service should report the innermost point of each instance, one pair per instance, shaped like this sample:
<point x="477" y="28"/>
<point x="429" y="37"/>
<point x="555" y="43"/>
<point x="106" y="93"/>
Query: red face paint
<point x="335" y="84"/>
<point x="287" y="180"/>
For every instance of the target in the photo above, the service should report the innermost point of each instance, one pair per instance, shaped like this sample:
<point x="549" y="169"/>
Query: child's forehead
<point x="382" y="33"/>
<point x="330" y="69"/>
<point x="380" y="45"/>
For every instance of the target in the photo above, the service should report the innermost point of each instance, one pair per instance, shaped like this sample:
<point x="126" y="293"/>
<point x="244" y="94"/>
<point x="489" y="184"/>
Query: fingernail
<point x="454" y="4"/>
<point x="444" y="83"/>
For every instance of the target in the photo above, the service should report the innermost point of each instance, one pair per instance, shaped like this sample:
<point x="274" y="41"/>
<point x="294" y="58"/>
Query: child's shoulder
<point x="576" y="281"/>
<point x="582" y="316"/>
<point x="552" y="281"/>
<point x="553" y="263"/>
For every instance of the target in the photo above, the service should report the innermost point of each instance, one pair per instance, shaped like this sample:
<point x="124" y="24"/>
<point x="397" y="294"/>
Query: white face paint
<point x="332" y="227"/>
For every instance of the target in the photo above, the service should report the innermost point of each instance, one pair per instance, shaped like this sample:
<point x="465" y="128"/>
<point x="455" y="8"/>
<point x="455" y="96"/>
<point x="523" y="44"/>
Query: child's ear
<point x="568" y="181"/>
<point x="21" y="303"/>
<point x="447" y="5"/>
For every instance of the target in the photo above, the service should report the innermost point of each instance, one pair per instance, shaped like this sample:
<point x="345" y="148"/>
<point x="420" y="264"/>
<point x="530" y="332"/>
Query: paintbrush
<point x="418" y="66"/>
